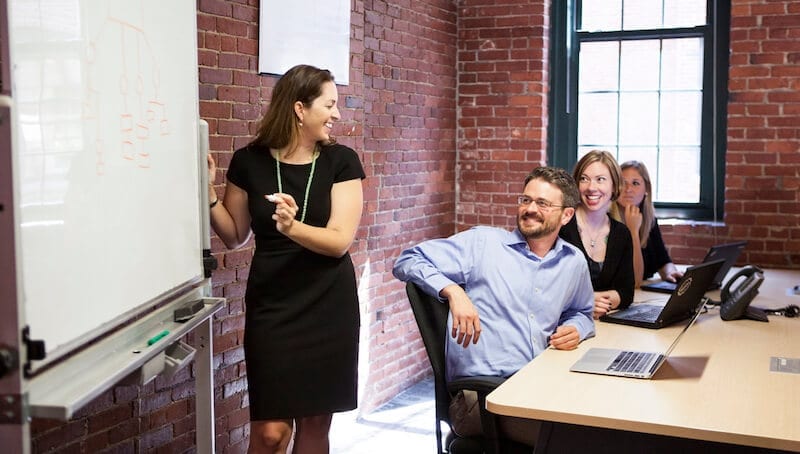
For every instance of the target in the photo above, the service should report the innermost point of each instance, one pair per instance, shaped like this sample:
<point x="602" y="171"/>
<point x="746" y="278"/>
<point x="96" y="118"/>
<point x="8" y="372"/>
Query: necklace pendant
<point x="308" y="184"/>
<point x="591" y="244"/>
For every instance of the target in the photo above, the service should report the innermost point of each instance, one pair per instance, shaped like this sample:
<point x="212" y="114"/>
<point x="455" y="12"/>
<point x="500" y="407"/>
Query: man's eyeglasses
<point x="541" y="203"/>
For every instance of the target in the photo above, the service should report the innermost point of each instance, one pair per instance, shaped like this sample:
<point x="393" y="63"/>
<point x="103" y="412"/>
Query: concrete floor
<point x="403" y="425"/>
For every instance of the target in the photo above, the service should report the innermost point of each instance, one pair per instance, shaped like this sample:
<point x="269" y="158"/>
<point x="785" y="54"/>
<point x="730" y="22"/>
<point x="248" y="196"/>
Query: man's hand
<point x="466" y="322"/>
<point x="566" y="337"/>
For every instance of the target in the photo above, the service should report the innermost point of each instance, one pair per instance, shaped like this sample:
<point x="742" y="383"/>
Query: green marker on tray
<point x="157" y="337"/>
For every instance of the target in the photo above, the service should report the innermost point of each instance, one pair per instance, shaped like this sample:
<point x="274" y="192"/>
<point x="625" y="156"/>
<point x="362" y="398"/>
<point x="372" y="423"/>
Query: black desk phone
<point x="736" y="299"/>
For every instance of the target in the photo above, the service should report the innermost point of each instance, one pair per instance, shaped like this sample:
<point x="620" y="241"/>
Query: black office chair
<point x="431" y="317"/>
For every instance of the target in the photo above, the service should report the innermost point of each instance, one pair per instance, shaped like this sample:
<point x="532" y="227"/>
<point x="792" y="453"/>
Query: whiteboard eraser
<point x="188" y="311"/>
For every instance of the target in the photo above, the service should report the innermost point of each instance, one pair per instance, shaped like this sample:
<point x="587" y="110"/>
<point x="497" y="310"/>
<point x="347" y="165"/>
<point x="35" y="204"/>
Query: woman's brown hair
<point x="280" y="126"/>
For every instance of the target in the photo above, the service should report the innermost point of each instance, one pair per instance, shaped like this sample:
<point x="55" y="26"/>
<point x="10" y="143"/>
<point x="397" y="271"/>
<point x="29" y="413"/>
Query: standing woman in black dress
<point x="300" y="193"/>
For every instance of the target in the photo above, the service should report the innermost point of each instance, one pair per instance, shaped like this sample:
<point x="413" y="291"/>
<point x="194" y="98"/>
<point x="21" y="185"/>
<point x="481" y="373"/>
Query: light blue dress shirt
<point x="521" y="298"/>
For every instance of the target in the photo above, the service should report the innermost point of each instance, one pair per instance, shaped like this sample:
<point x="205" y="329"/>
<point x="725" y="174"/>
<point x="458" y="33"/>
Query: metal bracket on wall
<point x="35" y="349"/>
<point x="209" y="262"/>
<point x="11" y="409"/>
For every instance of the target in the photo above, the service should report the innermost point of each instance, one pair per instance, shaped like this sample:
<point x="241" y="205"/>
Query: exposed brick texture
<point x="502" y="105"/>
<point x="410" y="155"/>
<point x="447" y="107"/>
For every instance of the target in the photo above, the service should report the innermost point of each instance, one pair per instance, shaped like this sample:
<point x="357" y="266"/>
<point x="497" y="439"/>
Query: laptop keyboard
<point x="635" y="362"/>
<point x="645" y="314"/>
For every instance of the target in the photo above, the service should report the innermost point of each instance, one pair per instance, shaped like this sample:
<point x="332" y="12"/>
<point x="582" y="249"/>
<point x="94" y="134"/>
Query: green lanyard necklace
<point x="308" y="185"/>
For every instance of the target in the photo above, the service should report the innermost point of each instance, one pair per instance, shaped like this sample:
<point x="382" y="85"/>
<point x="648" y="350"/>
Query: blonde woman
<point x="638" y="213"/>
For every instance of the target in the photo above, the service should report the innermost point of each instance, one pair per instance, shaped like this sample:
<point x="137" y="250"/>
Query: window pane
<point x="682" y="64"/>
<point x="583" y="150"/>
<point x="684" y="13"/>
<point x="680" y="118"/>
<point x="638" y="119"/>
<point x="600" y="61"/>
<point x="641" y="14"/>
<point x="640" y="65"/>
<point x="678" y="175"/>
<point x="601" y="15"/>
<point x="642" y="99"/>
<point x="647" y="155"/>
<point x="608" y="15"/>
<point x="597" y="119"/>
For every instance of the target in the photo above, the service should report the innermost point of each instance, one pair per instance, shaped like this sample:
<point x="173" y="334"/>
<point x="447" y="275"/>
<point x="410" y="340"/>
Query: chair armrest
<point x="482" y="384"/>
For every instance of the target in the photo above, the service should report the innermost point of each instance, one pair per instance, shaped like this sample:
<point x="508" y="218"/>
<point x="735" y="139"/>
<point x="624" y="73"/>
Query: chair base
<point x="457" y="445"/>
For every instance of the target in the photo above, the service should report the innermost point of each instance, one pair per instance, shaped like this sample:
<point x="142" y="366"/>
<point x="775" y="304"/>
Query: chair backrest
<point x="431" y="315"/>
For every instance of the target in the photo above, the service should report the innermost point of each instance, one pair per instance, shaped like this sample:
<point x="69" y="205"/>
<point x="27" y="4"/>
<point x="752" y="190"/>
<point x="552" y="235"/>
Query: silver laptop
<point x="728" y="252"/>
<point x="623" y="363"/>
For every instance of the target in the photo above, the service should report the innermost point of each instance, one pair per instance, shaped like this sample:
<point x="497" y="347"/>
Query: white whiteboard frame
<point x="64" y="387"/>
<point x="305" y="32"/>
<point x="14" y="427"/>
<point x="187" y="270"/>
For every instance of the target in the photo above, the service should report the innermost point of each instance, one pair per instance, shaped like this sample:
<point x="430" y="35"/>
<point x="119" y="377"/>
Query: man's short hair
<point x="559" y="178"/>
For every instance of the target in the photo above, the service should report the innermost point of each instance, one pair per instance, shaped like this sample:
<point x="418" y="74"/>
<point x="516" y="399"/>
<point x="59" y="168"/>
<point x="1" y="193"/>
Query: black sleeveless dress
<point x="302" y="311"/>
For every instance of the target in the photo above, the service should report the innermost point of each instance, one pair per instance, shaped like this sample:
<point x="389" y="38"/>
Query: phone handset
<point x="736" y="300"/>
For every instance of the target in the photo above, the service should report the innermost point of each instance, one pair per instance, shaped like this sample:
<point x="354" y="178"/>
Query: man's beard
<point x="534" y="233"/>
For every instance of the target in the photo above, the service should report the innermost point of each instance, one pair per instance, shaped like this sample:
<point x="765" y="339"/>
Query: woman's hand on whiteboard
<point x="212" y="169"/>
<point x="285" y="210"/>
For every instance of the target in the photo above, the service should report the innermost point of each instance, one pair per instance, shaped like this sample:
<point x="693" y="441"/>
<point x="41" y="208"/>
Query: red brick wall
<point x="762" y="204"/>
<point x="448" y="100"/>
<point x="409" y="146"/>
<point x="232" y="96"/>
<point x="502" y="105"/>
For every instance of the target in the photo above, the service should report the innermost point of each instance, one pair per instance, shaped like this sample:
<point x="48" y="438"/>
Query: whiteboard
<point x="105" y="160"/>
<point x="305" y="32"/>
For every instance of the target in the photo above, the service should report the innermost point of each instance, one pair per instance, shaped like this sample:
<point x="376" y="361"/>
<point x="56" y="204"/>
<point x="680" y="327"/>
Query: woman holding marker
<point x="301" y="195"/>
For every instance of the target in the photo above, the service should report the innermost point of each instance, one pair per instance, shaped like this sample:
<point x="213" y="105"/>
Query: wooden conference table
<point x="716" y="385"/>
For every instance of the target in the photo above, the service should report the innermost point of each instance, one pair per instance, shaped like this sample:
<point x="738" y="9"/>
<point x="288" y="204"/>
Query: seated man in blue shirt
<point x="511" y="294"/>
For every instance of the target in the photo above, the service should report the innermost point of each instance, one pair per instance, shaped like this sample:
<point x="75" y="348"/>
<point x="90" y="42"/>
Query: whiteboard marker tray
<point x="66" y="387"/>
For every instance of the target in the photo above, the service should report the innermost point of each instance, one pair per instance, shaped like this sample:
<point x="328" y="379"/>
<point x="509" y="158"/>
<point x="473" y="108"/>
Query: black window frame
<point x="563" y="98"/>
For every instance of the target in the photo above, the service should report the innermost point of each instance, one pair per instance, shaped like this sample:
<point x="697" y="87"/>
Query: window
<point x="645" y="80"/>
